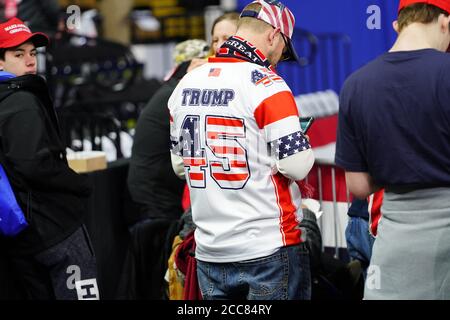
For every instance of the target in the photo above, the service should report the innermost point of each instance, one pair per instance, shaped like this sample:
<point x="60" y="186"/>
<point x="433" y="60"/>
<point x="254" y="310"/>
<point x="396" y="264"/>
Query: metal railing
<point x="320" y="164"/>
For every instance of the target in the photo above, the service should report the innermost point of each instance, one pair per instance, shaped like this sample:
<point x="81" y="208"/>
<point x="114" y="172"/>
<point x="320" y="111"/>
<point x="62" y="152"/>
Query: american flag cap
<point x="278" y="16"/>
<point x="442" y="4"/>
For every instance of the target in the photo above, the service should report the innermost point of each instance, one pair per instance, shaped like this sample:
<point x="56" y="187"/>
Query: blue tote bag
<point x="12" y="219"/>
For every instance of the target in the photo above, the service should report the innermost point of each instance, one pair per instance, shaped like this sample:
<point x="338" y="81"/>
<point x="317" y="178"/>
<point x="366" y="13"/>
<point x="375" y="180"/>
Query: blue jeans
<point x="359" y="240"/>
<point x="284" y="275"/>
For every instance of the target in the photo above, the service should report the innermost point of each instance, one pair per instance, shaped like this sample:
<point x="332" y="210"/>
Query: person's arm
<point x="176" y="157"/>
<point x="28" y="149"/>
<point x="278" y="116"/>
<point x="175" y="152"/>
<point x="177" y="165"/>
<point x="297" y="166"/>
<point x="360" y="184"/>
<point x="350" y="154"/>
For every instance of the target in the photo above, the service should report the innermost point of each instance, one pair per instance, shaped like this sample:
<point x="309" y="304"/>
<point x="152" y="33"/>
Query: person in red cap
<point x="237" y="139"/>
<point x="52" y="257"/>
<point x="394" y="133"/>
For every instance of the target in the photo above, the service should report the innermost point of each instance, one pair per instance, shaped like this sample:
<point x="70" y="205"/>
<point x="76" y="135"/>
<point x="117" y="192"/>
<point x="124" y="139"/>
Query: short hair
<point x="419" y="12"/>
<point x="2" y="53"/>
<point x="253" y="23"/>
<point x="231" y="16"/>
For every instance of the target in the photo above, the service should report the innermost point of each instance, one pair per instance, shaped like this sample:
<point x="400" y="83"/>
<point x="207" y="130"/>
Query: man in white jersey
<point x="236" y="138"/>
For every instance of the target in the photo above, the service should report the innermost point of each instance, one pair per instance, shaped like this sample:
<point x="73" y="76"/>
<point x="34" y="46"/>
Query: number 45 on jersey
<point x="228" y="165"/>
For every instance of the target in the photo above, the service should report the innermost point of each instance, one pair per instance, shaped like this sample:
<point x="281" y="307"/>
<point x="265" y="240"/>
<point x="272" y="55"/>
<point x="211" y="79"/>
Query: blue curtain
<point x="345" y="17"/>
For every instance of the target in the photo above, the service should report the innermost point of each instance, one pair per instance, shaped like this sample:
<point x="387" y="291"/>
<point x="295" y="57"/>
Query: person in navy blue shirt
<point x="394" y="133"/>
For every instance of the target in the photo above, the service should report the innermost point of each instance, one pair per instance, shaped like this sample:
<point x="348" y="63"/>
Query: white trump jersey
<point x="232" y="122"/>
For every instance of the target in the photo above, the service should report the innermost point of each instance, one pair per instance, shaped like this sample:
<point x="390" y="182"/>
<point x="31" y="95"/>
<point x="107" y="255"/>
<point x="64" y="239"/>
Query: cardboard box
<point x="87" y="161"/>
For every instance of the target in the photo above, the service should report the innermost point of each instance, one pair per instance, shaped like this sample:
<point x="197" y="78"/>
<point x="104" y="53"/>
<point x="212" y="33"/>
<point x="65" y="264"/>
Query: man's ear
<point x="444" y="22"/>
<point x="2" y="64"/>
<point x="273" y="35"/>
<point x="395" y="25"/>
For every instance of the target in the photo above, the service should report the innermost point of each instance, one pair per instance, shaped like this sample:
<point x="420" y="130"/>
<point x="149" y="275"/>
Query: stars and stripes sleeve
<point x="174" y="139"/>
<point x="175" y="155"/>
<point x="174" y="131"/>
<point x="289" y="145"/>
<point x="278" y="116"/>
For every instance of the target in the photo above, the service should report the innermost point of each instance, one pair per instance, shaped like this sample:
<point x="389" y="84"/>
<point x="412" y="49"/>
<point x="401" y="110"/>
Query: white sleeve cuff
<point x="297" y="166"/>
<point x="177" y="165"/>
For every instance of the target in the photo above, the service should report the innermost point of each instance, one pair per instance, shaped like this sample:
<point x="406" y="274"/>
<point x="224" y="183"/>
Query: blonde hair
<point x="231" y="16"/>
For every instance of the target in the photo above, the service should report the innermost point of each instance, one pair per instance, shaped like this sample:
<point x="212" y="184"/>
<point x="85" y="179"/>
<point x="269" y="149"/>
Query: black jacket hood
<point x="34" y="84"/>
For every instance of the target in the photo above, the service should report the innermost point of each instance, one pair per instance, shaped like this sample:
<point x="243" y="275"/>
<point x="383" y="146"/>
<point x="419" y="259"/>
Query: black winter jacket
<point x="52" y="196"/>
<point x="151" y="180"/>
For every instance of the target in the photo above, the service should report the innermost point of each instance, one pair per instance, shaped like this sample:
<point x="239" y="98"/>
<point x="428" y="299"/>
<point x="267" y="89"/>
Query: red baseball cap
<point x="14" y="32"/>
<point x="278" y="16"/>
<point x="442" y="4"/>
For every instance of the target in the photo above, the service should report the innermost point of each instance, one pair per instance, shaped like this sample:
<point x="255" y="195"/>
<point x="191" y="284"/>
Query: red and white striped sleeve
<point x="276" y="113"/>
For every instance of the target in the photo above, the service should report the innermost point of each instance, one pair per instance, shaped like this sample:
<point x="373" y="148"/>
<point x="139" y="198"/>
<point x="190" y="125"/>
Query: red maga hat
<point x="14" y="32"/>
<point x="443" y="4"/>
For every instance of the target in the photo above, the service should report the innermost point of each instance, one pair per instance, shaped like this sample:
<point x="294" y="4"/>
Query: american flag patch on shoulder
<point x="265" y="77"/>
